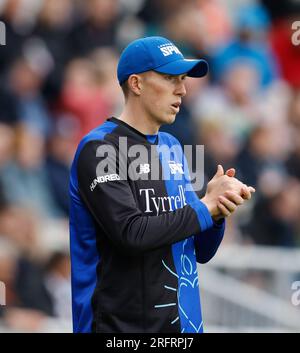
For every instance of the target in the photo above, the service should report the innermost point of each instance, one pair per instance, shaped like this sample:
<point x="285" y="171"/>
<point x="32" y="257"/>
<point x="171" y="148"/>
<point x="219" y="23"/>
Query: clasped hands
<point x="225" y="193"/>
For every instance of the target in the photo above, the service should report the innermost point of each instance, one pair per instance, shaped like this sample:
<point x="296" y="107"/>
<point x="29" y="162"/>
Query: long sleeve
<point x="208" y="242"/>
<point x="114" y="208"/>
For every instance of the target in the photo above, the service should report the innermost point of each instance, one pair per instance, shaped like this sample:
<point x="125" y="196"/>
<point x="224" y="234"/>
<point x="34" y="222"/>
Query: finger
<point x="220" y="171"/>
<point x="227" y="203"/>
<point x="223" y="210"/>
<point x="245" y="193"/>
<point x="230" y="172"/>
<point x="251" y="189"/>
<point x="234" y="197"/>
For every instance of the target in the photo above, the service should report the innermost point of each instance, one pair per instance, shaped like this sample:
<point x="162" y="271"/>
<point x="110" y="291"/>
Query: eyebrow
<point x="183" y="75"/>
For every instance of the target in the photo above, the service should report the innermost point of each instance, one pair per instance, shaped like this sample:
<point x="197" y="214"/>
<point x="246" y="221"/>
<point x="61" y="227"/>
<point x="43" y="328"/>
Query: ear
<point x="135" y="84"/>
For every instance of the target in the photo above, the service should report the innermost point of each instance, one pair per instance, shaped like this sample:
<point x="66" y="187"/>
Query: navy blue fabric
<point x="184" y="256"/>
<point x="184" y="252"/>
<point x="84" y="254"/>
<point x="151" y="138"/>
<point x="176" y="264"/>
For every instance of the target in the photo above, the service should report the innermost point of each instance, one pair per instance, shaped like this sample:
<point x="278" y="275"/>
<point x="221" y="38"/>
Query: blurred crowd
<point x="58" y="81"/>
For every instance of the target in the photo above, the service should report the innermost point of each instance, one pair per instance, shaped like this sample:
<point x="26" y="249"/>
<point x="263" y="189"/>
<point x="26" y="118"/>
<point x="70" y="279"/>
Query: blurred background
<point x="58" y="81"/>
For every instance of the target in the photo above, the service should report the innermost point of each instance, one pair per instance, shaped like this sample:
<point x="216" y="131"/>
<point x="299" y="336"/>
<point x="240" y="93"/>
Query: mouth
<point x="176" y="106"/>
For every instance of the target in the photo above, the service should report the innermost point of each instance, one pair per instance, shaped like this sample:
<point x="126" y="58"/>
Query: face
<point x="161" y="95"/>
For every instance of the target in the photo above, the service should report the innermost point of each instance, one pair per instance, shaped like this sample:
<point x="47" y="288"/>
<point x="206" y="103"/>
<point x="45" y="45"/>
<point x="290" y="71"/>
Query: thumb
<point x="230" y="172"/>
<point x="220" y="171"/>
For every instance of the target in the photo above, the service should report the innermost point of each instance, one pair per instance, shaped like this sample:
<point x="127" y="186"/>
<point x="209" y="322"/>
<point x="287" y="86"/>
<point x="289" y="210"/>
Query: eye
<point x="169" y="77"/>
<point x="174" y="78"/>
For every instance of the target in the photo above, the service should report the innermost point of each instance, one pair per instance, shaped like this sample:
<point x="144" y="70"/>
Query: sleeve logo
<point x="103" y="179"/>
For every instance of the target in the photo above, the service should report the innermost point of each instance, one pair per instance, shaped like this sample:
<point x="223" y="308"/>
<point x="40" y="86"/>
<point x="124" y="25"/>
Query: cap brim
<point x="193" y="68"/>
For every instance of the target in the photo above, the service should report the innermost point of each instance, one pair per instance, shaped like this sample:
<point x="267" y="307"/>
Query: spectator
<point x="61" y="149"/>
<point x="58" y="283"/>
<point x="105" y="62"/>
<point x="27" y="301"/>
<point x="293" y="117"/>
<point x="264" y="151"/>
<point x="14" y="39"/>
<point x="287" y="54"/>
<point x="249" y="45"/>
<point x="54" y="23"/>
<point x="82" y="97"/>
<point x="277" y="216"/>
<point x="26" y="175"/>
<point x="25" y="84"/>
<point x="234" y="101"/>
<point x="98" y="27"/>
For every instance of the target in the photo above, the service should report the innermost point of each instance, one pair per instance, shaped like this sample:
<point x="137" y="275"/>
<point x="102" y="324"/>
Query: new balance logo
<point x="176" y="167"/>
<point x="169" y="49"/>
<point x="103" y="179"/>
<point x="144" y="168"/>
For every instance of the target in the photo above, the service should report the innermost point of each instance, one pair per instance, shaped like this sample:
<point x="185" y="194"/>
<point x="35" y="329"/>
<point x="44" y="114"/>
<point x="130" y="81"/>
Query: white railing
<point x="231" y="301"/>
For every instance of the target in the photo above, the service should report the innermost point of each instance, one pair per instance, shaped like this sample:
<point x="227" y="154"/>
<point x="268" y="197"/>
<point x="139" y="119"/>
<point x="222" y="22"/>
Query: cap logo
<point x="169" y="49"/>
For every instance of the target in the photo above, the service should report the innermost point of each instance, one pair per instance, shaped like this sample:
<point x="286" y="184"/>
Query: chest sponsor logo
<point x="160" y="204"/>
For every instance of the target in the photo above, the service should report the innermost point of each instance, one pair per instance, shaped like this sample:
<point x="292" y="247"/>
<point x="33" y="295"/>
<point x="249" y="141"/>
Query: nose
<point x="180" y="89"/>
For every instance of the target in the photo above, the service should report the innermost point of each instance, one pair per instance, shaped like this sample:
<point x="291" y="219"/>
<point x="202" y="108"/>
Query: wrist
<point x="214" y="212"/>
<point x="218" y="220"/>
<point x="208" y="205"/>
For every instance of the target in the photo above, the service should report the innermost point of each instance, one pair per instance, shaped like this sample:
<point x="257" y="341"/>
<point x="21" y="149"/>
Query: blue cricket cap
<point x="158" y="54"/>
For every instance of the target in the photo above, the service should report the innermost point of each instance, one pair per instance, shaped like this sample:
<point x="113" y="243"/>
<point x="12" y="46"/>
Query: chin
<point x="169" y="119"/>
<point x="172" y="119"/>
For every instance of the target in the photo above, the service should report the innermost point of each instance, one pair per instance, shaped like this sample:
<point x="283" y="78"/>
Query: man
<point x="136" y="240"/>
